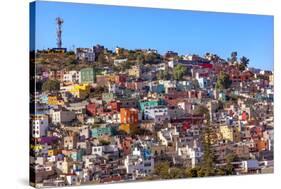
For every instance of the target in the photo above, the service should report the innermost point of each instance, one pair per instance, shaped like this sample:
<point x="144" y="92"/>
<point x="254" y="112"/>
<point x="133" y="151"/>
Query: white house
<point x="176" y="112"/>
<point x="140" y="163"/>
<point x="185" y="106"/>
<point x="166" y="135"/>
<point x="64" y="166"/>
<point x="194" y="153"/>
<point x="71" y="76"/>
<point x="40" y="125"/>
<point x="157" y="113"/>
<point x="62" y="116"/>
<point x="71" y="179"/>
<point x="172" y="63"/>
<point x="119" y="61"/>
<point x="87" y="54"/>
<point x="97" y="150"/>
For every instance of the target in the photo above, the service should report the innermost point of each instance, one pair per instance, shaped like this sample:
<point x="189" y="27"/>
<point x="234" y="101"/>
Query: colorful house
<point x="54" y="100"/>
<point x="230" y="133"/>
<point x="40" y="125"/>
<point x="101" y="131"/>
<point x="157" y="88"/>
<point x="114" y="106"/>
<point x="80" y="91"/>
<point x="91" y="109"/>
<point x="149" y="103"/>
<point x="53" y="152"/>
<point x="88" y="75"/>
<point x="107" y="97"/>
<point x="135" y="71"/>
<point x="157" y="113"/>
<point x="128" y="119"/>
<point x="76" y="155"/>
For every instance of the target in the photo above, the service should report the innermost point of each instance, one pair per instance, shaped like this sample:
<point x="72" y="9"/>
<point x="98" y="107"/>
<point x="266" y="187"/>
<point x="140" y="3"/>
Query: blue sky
<point x="187" y="32"/>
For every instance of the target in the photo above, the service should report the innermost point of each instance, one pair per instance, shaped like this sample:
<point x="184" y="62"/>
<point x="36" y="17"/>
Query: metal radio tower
<point x="59" y="22"/>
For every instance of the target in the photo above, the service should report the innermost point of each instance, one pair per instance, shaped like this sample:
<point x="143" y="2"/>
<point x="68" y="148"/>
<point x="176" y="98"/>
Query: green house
<point x="77" y="154"/>
<point x="150" y="103"/>
<point x="88" y="75"/>
<point x="107" y="97"/>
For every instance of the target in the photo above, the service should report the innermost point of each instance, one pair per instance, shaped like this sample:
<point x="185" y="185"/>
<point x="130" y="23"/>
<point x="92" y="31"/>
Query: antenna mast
<point x="59" y="22"/>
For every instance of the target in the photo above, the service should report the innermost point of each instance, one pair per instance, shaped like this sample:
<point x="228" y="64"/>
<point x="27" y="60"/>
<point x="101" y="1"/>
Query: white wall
<point x="40" y="126"/>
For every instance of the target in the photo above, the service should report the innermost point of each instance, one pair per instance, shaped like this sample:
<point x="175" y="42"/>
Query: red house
<point x="114" y="106"/>
<point x="245" y="116"/>
<point x="91" y="109"/>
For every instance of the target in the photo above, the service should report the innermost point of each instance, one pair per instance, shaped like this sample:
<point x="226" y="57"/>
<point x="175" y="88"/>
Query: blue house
<point x="102" y="131"/>
<point x="157" y="88"/>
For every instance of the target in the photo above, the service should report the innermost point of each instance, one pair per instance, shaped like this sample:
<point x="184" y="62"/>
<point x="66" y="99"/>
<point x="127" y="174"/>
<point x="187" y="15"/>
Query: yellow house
<point x="119" y="51"/>
<point x="36" y="147"/>
<point x="135" y="71"/>
<point x="66" y="165"/>
<point x="111" y="78"/>
<point x="80" y="91"/>
<point x="128" y="128"/>
<point x="54" y="100"/>
<point x="271" y="79"/>
<point x="214" y="137"/>
<point x="230" y="133"/>
<point x="52" y="152"/>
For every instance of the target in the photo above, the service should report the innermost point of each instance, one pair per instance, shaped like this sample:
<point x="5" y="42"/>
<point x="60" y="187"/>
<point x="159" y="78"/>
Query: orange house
<point x="261" y="145"/>
<point x="129" y="119"/>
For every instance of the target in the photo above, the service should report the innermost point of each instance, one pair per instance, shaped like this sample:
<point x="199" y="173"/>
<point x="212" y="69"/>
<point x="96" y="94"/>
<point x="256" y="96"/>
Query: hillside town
<point x="122" y="115"/>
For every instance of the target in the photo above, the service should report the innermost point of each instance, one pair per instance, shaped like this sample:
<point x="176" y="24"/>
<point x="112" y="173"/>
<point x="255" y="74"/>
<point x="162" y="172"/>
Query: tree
<point x="70" y="53"/>
<point x="162" y="75"/>
<point x="233" y="57"/>
<point x="162" y="169"/>
<point x="179" y="71"/>
<point x="51" y="85"/>
<point x="220" y="171"/>
<point x="152" y="58"/>
<point x="220" y="105"/>
<point x="244" y="61"/>
<point x="72" y="62"/>
<point x="140" y="58"/>
<point x="104" y="142"/>
<point x="207" y="168"/>
<point x="176" y="173"/>
<point x="202" y="110"/>
<point x="98" y="91"/>
<point x="101" y="58"/>
<point x="132" y="55"/>
<point x="193" y="172"/>
<point x="125" y="65"/>
<point x="229" y="169"/>
<point x="141" y="132"/>
<point x="223" y="81"/>
<point x="195" y="84"/>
